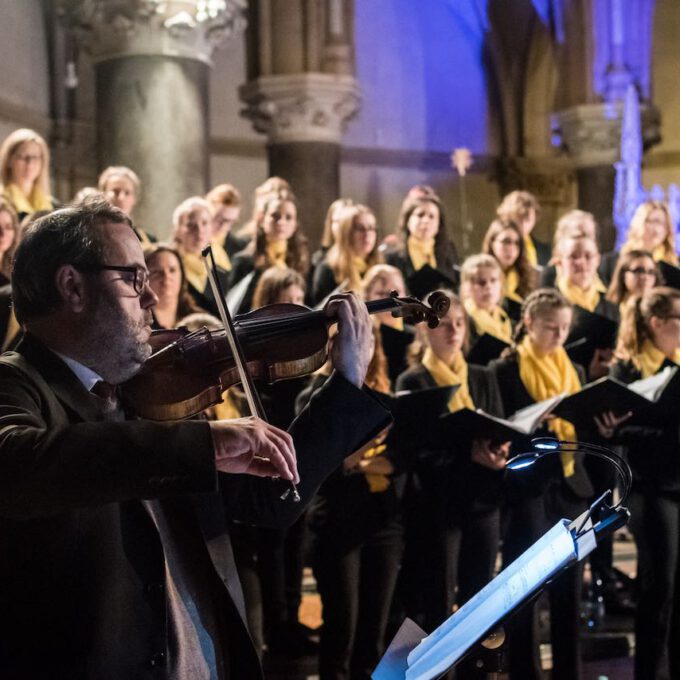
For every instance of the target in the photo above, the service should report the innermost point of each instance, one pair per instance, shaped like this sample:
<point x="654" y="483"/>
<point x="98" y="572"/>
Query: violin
<point x="188" y="371"/>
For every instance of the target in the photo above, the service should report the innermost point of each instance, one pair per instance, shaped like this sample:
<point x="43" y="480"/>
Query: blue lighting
<point x="545" y="444"/>
<point x="522" y="461"/>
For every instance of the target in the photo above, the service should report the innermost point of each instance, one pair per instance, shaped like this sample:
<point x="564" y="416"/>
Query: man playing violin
<point x="115" y="560"/>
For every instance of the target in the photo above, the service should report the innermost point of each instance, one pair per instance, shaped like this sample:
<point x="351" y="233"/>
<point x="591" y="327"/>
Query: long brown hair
<point x="327" y="239"/>
<point x="297" y="252"/>
<point x="340" y="256"/>
<point x="526" y="273"/>
<point x="185" y="302"/>
<point x="637" y="312"/>
<point x="617" y="292"/>
<point x="443" y="247"/>
<point x="273" y="282"/>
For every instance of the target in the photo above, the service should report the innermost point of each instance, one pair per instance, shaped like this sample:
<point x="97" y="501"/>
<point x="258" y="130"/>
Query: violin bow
<point x="252" y="395"/>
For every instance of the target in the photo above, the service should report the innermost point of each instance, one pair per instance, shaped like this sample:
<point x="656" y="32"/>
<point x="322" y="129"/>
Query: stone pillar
<point x="591" y="135"/>
<point x="152" y="62"/>
<point x="302" y="97"/>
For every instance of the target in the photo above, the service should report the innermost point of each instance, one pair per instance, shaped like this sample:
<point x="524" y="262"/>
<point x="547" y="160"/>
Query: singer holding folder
<point x="453" y="517"/>
<point x="537" y="368"/>
<point x="649" y="340"/>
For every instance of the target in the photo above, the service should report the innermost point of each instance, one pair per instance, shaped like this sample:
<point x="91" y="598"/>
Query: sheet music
<point x="448" y="643"/>
<point x="527" y="419"/>
<point x="652" y="387"/>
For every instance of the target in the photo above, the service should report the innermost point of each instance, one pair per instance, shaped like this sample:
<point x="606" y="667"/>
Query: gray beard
<point x="110" y="343"/>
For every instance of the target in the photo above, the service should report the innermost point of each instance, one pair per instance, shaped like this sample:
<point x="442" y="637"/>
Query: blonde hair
<point x="327" y="238"/>
<point x="380" y="272"/>
<point x="637" y="313"/>
<point x="114" y="171"/>
<point x="634" y="240"/>
<point x="10" y="146"/>
<point x="188" y="205"/>
<point x="223" y="195"/>
<point x="516" y="205"/>
<point x="571" y="224"/>
<point x="340" y="256"/>
<point x="471" y="267"/>
<point x="8" y="255"/>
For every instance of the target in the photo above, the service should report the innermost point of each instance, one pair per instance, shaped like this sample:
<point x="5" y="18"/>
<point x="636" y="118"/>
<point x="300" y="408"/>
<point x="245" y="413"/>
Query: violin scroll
<point x="414" y="311"/>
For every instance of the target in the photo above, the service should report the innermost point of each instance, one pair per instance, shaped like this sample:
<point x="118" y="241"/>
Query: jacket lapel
<point x="61" y="379"/>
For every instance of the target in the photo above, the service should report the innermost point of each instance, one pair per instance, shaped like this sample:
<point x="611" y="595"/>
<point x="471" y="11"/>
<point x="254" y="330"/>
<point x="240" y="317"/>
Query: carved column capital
<point x="171" y="28"/>
<point x="591" y="133"/>
<point x="304" y="107"/>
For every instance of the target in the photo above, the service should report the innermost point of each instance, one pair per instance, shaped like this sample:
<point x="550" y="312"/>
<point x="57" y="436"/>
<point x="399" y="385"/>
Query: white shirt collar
<point x="86" y="375"/>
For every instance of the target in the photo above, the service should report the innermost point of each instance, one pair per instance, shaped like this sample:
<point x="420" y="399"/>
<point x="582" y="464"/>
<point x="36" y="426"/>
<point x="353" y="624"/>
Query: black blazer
<point x="242" y="265"/>
<point x="514" y="396"/>
<point x="324" y="282"/>
<point x="653" y="448"/>
<point x="81" y="562"/>
<point x="446" y="262"/>
<point x="462" y="484"/>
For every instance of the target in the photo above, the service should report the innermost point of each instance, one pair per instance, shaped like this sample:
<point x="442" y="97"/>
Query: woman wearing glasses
<point x="355" y="250"/>
<point x="504" y="241"/>
<point x="636" y="272"/>
<point x="649" y="341"/>
<point x="24" y="172"/>
<point x="652" y="229"/>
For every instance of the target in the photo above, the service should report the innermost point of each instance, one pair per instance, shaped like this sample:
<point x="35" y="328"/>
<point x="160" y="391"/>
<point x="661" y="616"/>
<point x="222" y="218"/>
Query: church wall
<point x="24" y="89"/>
<point x="662" y="164"/>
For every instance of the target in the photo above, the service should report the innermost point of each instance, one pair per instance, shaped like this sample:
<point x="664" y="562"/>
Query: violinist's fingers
<point x="353" y="346"/>
<point x="237" y="442"/>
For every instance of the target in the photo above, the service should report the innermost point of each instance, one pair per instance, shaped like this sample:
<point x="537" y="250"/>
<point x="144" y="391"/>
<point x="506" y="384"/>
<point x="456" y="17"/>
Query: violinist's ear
<point x="70" y="284"/>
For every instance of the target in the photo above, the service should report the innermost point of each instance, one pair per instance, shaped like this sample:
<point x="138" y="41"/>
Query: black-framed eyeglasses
<point x="641" y="271"/>
<point x="140" y="276"/>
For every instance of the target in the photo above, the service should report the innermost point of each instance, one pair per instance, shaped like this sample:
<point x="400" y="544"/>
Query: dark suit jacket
<point x="242" y="265"/>
<point x="81" y="562"/>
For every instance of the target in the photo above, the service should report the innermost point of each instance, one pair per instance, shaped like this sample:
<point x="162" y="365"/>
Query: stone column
<point x="591" y="135"/>
<point x="302" y="97"/>
<point x="152" y="62"/>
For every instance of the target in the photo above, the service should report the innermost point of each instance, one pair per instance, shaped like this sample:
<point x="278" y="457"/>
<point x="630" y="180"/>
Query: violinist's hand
<point x="607" y="422"/>
<point x="492" y="457"/>
<point x="254" y="447"/>
<point x="353" y="345"/>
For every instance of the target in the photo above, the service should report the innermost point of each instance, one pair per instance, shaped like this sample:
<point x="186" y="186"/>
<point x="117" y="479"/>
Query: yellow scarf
<point x="661" y="254"/>
<point x="377" y="483"/>
<point x="38" y="200"/>
<point x="221" y="257"/>
<point x="360" y="265"/>
<point x="276" y="253"/>
<point x="511" y="284"/>
<point x="494" y="322"/>
<point x="530" y="250"/>
<point x="454" y="374"/>
<point x="588" y="298"/>
<point x="546" y="376"/>
<point x="651" y="357"/>
<point x="421" y="252"/>
<point x="195" y="271"/>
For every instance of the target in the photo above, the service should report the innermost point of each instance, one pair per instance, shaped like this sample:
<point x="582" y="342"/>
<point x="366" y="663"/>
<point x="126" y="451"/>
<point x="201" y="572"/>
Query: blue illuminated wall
<point x="419" y="64"/>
